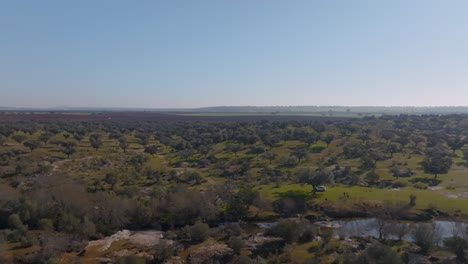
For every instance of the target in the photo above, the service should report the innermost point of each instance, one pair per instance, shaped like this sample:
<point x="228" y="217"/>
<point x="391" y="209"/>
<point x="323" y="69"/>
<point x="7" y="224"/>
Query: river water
<point x="369" y="227"/>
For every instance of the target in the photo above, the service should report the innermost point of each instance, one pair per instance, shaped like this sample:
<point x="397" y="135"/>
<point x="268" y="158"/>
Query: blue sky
<point x="208" y="53"/>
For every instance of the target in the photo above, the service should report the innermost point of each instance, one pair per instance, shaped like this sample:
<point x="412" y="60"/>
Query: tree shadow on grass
<point x="292" y="202"/>
<point x="295" y="194"/>
<point x="428" y="181"/>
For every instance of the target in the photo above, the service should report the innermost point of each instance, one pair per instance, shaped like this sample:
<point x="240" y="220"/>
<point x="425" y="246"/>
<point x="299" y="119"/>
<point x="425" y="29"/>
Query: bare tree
<point x="426" y="236"/>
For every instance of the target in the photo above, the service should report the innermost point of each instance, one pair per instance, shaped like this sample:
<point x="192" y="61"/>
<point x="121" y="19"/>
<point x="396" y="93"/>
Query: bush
<point x="372" y="178"/>
<point x="46" y="224"/>
<point x="317" y="149"/>
<point x="236" y="243"/>
<point x="291" y="203"/>
<point x="353" y="151"/>
<point x="88" y="228"/>
<point x="232" y="229"/>
<point x="194" y="234"/>
<point x="420" y="185"/>
<point x="289" y="162"/>
<point x="457" y="245"/>
<point x="331" y="161"/>
<point x="163" y="251"/>
<point x="131" y="260"/>
<point x="244" y="260"/>
<point x="379" y="253"/>
<point x="270" y="248"/>
<point x="399" y="184"/>
<point x="309" y="233"/>
<point x="412" y="200"/>
<point x="15" y="223"/>
<point x="291" y="230"/>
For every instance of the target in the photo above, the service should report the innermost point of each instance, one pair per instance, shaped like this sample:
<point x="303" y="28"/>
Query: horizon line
<point x="227" y="106"/>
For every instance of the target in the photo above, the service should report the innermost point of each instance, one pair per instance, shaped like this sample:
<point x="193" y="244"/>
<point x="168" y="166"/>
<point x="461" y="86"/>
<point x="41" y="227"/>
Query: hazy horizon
<point x="168" y="54"/>
<point x="232" y="106"/>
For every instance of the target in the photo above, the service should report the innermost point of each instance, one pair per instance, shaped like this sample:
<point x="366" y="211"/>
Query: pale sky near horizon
<point x="178" y="53"/>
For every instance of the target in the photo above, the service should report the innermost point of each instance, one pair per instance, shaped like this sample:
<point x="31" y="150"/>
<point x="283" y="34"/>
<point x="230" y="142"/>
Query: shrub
<point x="232" y="229"/>
<point x="291" y="230"/>
<point x="246" y="260"/>
<point x="379" y="253"/>
<point x="353" y="151"/>
<point x="15" y="222"/>
<point x="236" y="243"/>
<point x="372" y="178"/>
<point x="457" y="245"/>
<point x="309" y="233"/>
<point x="420" y="185"/>
<point x="163" y="251"/>
<point x="46" y="224"/>
<point x="194" y="234"/>
<point x="317" y="149"/>
<point x="399" y="184"/>
<point x="412" y="200"/>
<point x="289" y="162"/>
<point x="291" y="202"/>
<point x="131" y="260"/>
<point x="28" y="241"/>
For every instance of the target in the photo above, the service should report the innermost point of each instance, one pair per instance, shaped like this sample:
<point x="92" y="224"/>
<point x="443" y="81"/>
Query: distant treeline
<point x="338" y="109"/>
<point x="368" y="110"/>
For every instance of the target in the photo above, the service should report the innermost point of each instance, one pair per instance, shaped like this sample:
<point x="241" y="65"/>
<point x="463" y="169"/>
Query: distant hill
<point x="6" y="108"/>
<point x="335" y="109"/>
<point x="285" y="110"/>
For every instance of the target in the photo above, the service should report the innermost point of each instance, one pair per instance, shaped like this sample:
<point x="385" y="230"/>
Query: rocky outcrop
<point x="140" y="238"/>
<point x="211" y="253"/>
<point x="263" y="246"/>
<point x="259" y="240"/>
<point x="105" y="243"/>
<point x="147" y="238"/>
<point x="138" y="243"/>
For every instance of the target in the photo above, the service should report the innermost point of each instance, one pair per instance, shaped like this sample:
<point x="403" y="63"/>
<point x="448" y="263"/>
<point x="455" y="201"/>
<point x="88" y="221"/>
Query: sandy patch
<point x="457" y="196"/>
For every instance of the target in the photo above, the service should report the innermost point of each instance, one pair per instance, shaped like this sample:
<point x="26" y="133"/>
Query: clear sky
<point x="246" y="52"/>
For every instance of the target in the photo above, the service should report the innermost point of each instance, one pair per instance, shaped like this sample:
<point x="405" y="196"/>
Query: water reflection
<point x="396" y="230"/>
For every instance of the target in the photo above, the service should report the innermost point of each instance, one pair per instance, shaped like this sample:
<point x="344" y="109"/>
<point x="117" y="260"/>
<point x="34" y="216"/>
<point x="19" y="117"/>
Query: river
<point x="368" y="227"/>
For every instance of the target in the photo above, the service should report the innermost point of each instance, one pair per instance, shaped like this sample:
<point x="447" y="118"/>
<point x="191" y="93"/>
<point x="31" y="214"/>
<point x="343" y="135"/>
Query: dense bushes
<point x="375" y="253"/>
<point x="194" y="234"/>
<point x="293" y="231"/>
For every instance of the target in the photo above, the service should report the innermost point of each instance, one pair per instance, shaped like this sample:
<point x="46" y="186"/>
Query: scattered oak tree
<point x="95" y="141"/>
<point x="32" y="144"/>
<point x="437" y="161"/>
<point x="151" y="149"/>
